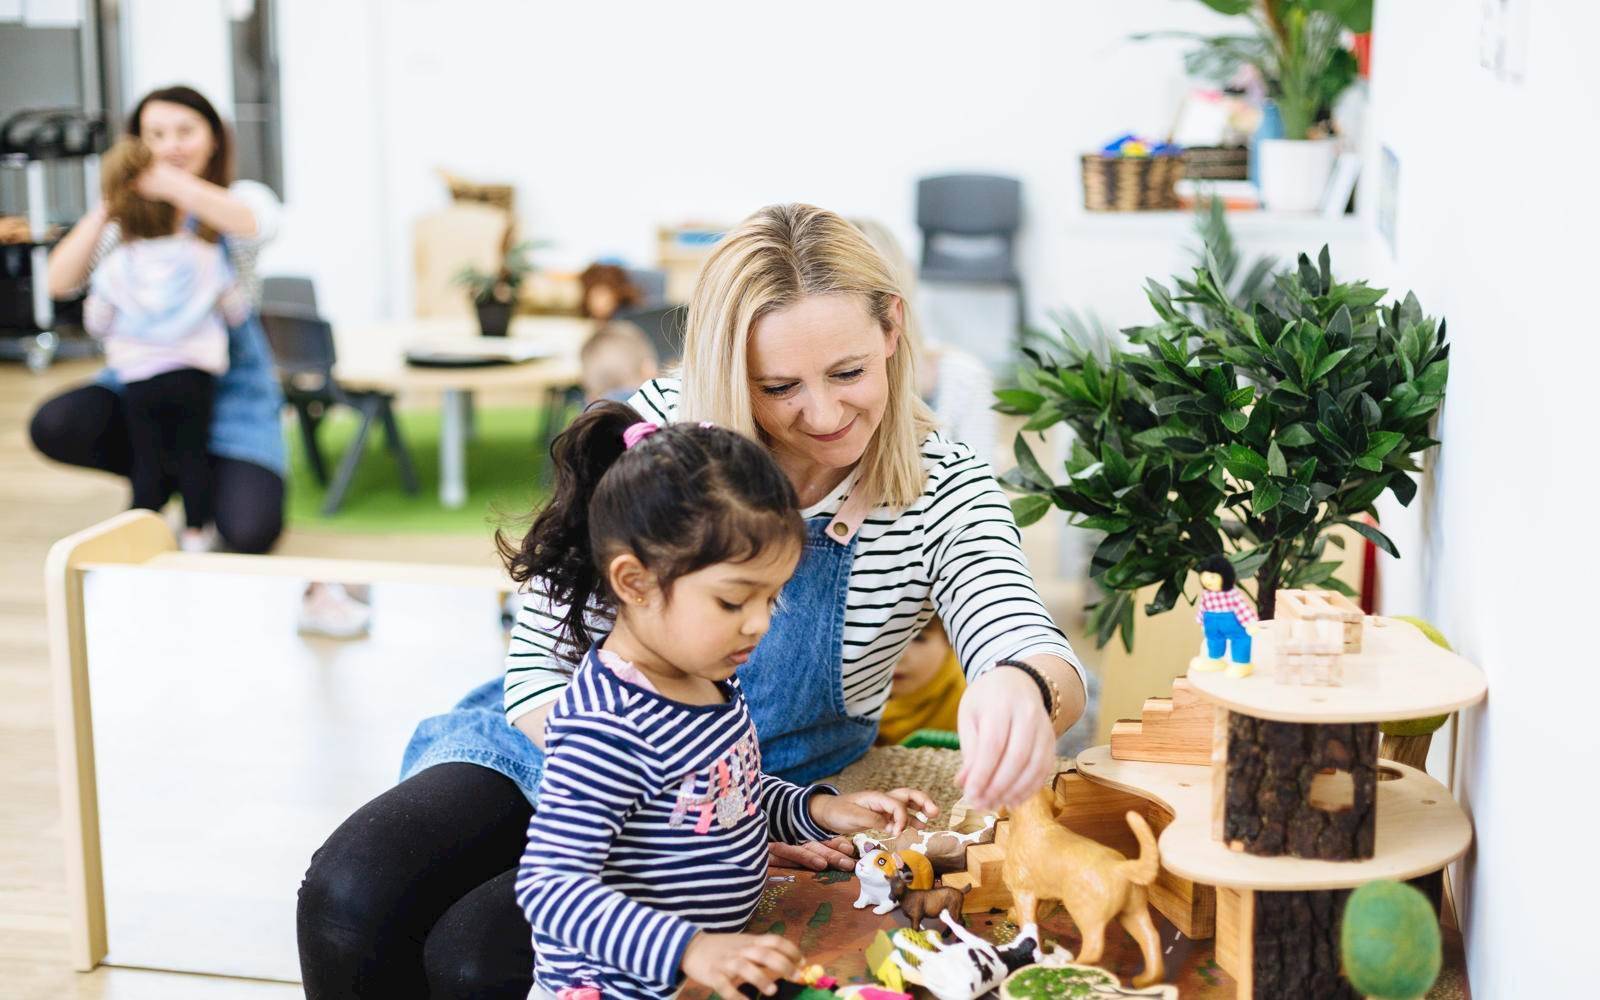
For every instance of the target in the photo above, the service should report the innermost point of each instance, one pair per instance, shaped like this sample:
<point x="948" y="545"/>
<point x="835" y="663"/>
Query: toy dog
<point x="1045" y="860"/>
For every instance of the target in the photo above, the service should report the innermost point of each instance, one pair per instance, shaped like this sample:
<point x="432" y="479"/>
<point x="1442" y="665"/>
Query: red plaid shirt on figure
<point x="1225" y="600"/>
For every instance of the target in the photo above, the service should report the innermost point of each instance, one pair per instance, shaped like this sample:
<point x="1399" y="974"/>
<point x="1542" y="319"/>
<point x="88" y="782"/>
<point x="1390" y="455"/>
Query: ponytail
<point x="680" y="499"/>
<point x="557" y="547"/>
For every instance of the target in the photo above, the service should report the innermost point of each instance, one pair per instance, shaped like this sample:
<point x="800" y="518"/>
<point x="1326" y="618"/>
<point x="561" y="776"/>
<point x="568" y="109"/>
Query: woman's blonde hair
<point x="772" y="260"/>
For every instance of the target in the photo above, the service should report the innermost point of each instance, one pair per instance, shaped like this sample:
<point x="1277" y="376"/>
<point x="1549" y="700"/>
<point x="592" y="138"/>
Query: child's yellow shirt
<point x="932" y="706"/>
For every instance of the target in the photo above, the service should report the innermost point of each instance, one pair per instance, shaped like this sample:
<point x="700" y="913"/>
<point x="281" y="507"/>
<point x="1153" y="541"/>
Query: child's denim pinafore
<point x="793" y="682"/>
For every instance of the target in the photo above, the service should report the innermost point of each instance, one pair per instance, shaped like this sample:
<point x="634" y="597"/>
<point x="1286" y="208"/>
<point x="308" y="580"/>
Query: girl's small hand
<point x="818" y="856"/>
<point x="860" y="811"/>
<point x="724" y="962"/>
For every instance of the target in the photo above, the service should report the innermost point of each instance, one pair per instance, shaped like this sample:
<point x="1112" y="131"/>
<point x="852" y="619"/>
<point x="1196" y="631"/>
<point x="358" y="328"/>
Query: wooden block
<point x="1175" y="730"/>
<point x="1328" y="605"/>
<point x="1235" y="932"/>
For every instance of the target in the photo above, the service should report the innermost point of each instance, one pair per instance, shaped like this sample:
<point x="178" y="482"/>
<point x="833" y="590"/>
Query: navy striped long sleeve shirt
<point x="653" y="823"/>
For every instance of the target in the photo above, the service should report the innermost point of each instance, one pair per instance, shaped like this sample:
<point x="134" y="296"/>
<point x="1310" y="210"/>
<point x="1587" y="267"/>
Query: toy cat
<point x="968" y="966"/>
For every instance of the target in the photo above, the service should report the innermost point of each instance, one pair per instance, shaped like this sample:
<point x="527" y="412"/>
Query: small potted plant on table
<point x="494" y="293"/>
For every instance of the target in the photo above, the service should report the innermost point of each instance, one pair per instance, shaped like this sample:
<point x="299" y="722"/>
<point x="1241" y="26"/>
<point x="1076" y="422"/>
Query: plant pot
<point x="1294" y="172"/>
<point x="494" y="318"/>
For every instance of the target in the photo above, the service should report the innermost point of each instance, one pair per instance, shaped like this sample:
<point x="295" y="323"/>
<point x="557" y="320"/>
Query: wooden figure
<point x="968" y="967"/>
<point x="1226" y="615"/>
<point x="1044" y="860"/>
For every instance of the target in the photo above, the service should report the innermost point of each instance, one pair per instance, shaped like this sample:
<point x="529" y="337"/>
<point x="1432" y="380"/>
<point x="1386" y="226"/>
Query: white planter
<point x="1294" y="172"/>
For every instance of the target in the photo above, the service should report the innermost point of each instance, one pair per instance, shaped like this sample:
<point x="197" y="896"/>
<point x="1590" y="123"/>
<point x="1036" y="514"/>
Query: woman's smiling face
<point x="819" y="381"/>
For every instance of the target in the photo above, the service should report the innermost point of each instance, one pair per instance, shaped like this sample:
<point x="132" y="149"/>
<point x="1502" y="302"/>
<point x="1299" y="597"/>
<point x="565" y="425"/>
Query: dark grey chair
<point x="289" y="292"/>
<point x="969" y="228"/>
<point x="303" y="348"/>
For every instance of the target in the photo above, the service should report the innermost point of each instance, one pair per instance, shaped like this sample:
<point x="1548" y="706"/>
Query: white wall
<point x="614" y="118"/>
<point x="168" y="42"/>
<point x="1495" y="231"/>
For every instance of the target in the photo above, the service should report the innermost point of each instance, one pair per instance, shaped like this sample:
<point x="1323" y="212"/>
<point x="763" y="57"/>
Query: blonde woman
<point x="795" y="337"/>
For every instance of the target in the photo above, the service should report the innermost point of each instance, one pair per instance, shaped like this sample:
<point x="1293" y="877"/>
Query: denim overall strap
<point x="794" y="682"/>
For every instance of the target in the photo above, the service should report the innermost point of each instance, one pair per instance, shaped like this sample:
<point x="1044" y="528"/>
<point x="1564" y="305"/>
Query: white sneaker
<point x="327" y="609"/>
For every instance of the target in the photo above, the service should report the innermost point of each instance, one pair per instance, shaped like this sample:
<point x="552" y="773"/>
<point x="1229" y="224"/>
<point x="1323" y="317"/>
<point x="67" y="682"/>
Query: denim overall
<point x="245" y="422"/>
<point x="793" y="684"/>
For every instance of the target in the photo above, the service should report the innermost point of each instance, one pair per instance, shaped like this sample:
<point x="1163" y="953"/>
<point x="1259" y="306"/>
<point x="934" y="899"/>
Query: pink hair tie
<point x="638" y="432"/>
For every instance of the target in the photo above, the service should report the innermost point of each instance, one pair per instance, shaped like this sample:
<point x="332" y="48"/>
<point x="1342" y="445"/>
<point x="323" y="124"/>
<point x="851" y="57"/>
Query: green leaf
<point x="1029" y="509"/>
<point x="1031" y="469"/>
<point x="1266" y="496"/>
<point x="1113" y="548"/>
<point x="1195" y="469"/>
<point x="1405" y="489"/>
<point x="1105" y="523"/>
<point x="1241" y="397"/>
<point x="1275" y="463"/>
<point x="1328" y="364"/>
<point x="1244" y="463"/>
<point x="1017" y="400"/>
<point x="1380" y="443"/>
<point x="1295" y="436"/>
<point x="1297" y="498"/>
<point x="1372" y="535"/>
<point x="1048" y="416"/>
<point x="1245" y="564"/>
<point x="1234" y="420"/>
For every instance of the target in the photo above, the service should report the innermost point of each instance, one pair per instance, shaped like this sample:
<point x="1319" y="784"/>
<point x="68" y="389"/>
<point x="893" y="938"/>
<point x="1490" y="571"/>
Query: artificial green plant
<point x="1247" y="429"/>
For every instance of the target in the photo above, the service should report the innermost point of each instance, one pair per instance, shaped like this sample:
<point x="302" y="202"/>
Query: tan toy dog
<point x="1044" y="860"/>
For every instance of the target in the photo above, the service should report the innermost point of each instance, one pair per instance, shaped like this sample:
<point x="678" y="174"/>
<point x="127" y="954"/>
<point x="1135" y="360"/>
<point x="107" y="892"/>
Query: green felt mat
<point x="504" y="475"/>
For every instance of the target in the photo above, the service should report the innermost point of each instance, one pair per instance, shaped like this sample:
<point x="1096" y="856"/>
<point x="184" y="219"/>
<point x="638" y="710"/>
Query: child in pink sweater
<point x="162" y="302"/>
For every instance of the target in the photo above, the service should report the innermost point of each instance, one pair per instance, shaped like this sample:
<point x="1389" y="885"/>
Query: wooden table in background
<point x="372" y="356"/>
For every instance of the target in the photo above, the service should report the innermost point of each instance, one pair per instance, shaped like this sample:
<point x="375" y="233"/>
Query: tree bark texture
<point x="1267" y="800"/>
<point x="1296" y="946"/>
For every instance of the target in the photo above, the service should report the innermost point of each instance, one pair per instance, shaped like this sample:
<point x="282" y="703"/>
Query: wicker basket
<point x="1130" y="183"/>
<point x="1217" y="163"/>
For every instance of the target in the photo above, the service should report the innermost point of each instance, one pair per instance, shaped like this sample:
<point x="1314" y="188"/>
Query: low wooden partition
<point x="206" y="748"/>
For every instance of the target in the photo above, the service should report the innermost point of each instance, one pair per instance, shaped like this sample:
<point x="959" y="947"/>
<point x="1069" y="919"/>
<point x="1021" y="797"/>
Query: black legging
<point x="414" y="895"/>
<point x="88" y="426"/>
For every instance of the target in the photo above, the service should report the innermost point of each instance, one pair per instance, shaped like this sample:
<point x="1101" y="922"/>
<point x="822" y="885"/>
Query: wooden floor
<point x="42" y="502"/>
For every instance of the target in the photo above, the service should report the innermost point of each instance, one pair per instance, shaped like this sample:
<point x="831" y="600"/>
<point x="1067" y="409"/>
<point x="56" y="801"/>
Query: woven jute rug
<point x="931" y="769"/>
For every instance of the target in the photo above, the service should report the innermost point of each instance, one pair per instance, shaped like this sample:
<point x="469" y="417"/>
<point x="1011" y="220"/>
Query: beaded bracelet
<point x="1047" y="686"/>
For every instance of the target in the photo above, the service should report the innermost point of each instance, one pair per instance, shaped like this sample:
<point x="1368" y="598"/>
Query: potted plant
<point x="1297" y="47"/>
<point x="1250" y="430"/>
<point x="494" y="293"/>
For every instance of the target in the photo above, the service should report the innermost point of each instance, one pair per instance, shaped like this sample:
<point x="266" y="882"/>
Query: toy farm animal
<point x="919" y="903"/>
<point x="1045" y="860"/>
<point x="967" y="967"/>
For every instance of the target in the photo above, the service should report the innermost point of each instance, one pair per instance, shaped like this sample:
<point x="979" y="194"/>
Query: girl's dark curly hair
<point x="682" y="499"/>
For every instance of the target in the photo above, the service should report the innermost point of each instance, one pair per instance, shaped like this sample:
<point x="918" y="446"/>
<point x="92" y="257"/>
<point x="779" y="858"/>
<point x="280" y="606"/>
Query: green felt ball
<point x="1424" y="726"/>
<point x="1390" y="941"/>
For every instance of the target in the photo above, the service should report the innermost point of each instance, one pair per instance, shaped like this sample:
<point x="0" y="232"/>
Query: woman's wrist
<point x="1049" y="693"/>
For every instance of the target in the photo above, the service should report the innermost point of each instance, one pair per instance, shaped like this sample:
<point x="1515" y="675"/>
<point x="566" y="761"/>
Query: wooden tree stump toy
<point x="1308" y="791"/>
<point x="1095" y="884"/>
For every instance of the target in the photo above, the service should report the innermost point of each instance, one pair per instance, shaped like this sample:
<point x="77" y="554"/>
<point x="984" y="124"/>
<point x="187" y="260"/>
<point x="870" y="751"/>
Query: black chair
<point x="302" y="345"/>
<point x="969" y="228"/>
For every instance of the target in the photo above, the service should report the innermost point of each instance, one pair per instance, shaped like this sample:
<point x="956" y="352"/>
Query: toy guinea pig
<point x="885" y="875"/>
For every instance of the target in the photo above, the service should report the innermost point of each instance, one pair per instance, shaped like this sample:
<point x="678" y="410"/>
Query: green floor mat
<point x="505" y="477"/>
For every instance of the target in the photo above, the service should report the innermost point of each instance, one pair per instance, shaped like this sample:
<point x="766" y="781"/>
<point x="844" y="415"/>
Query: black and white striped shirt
<point x="653" y="823"/>
<point x="955" y="552"/>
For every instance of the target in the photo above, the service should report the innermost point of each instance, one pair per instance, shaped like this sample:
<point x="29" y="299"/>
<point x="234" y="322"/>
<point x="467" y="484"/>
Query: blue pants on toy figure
<point x="1222" y="628"/>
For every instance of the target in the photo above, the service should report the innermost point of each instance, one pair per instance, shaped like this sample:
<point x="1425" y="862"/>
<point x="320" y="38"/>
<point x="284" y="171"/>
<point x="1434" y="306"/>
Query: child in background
<point x="615" y="361"/>
<point x="162" y="301"/>
<point x="647" y="853"/>
<point x="928" y="683"/>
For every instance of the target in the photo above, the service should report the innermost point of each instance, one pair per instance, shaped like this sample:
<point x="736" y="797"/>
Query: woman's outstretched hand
<point x="1007" y="741"/>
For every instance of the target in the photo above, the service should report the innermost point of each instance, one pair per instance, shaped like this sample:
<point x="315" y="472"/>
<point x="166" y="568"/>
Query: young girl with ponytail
<point x="648" y="850"/>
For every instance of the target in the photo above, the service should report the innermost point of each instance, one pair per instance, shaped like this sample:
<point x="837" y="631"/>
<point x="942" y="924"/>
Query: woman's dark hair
<point x="1220" y="565"/>
<point x="219" y="169"/>
<point x="613" y="277"/>
<point x="682" y="499"/>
